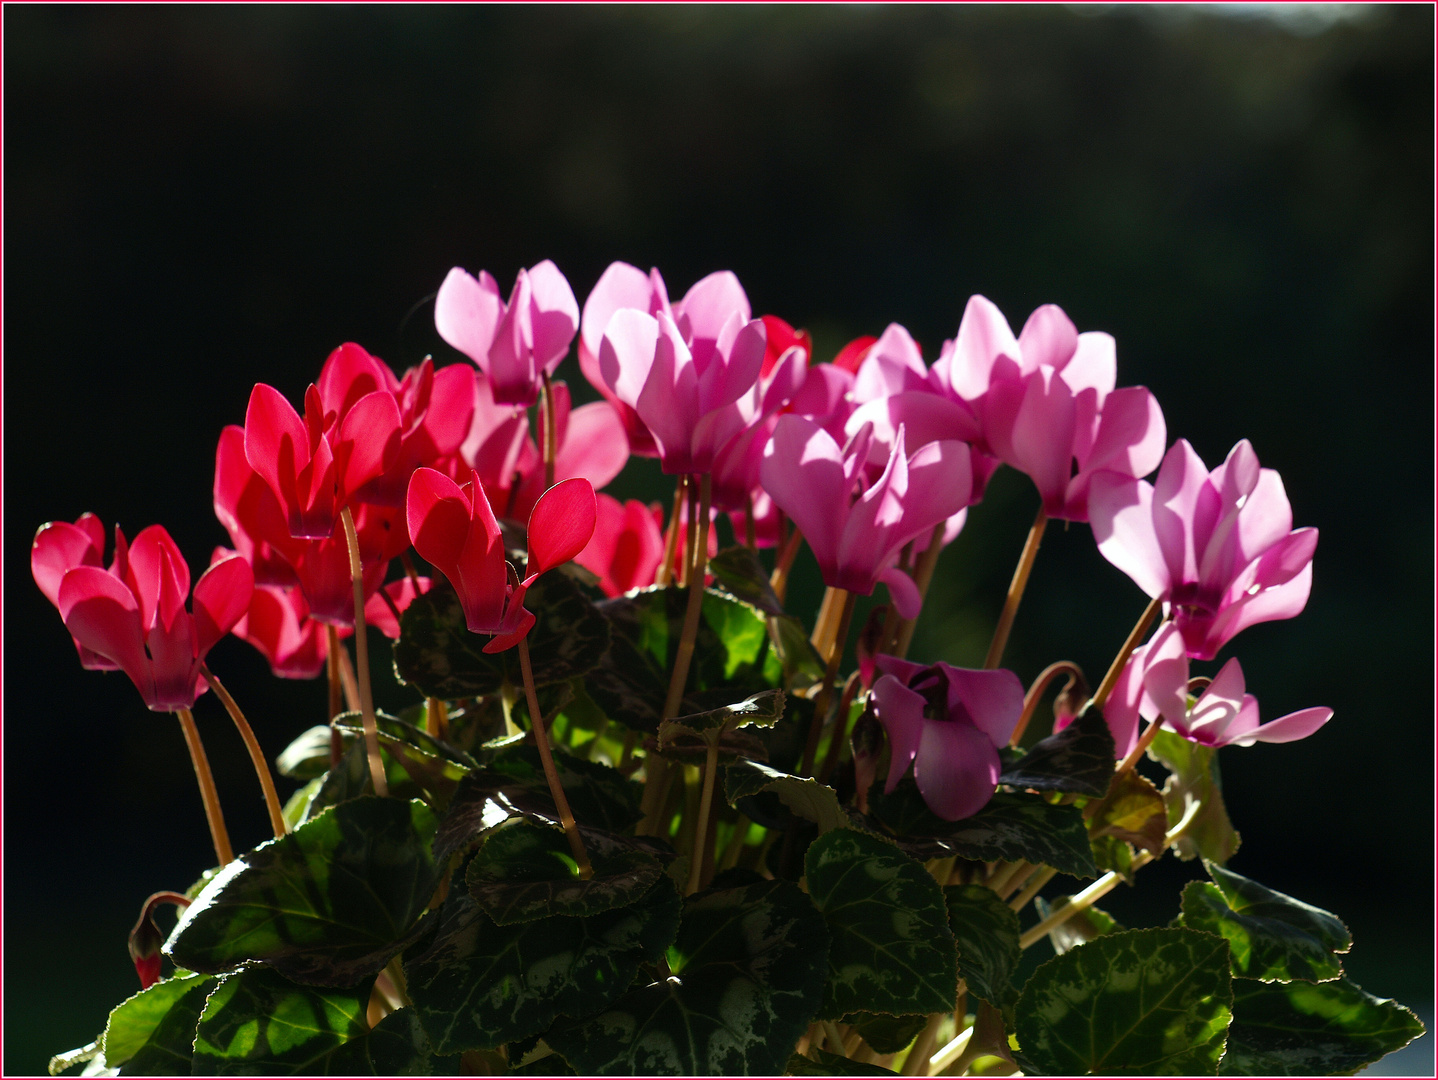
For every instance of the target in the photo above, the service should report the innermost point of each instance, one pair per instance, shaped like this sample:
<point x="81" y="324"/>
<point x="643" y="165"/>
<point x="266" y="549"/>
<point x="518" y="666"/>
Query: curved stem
<point x="371" y="726"/>
<point x="831" y="670"/>
<point x="550" y="433"/>
<point x="219" y="835"/>
<point x="706" y="803"/>
<point x="1144" y="741"/>
<point x="1135" y="636"/>
<point x="665" y="573"/>
<point x="685" y="654"/>
<point x="257" y="757"/>
<point x="1037" y="690"/>
<point x="546" y="757"/>
<point x="1016" y="589"/>
<point x="923" y="575"/>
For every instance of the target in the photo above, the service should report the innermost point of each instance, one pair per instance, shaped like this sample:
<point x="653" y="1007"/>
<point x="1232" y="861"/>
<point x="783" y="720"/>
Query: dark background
<point x="198" y="199"/>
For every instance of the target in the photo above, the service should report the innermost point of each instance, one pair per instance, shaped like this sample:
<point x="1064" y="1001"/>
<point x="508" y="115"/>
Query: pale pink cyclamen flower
<point x="514" y="344"/>
<point x="855" y="527"/>
<point x="1155" y="685"/>
<point x="949" y="722"/>
<point x="1047" y="405"/>
<point x="690" y="376"/>
<point x="1217" y="547"/>
<point x="140" y="623"/>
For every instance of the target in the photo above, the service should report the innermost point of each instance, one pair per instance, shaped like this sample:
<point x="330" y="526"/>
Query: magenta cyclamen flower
<point x="514" y="344"/>
<point x="58" y="548"/>
<point x="1218" y="547"/>
<point x="856" y="528"/>
<point x="140" y="622"/>
<point x="950" y="722"/>
<point x="1155" y="684"/>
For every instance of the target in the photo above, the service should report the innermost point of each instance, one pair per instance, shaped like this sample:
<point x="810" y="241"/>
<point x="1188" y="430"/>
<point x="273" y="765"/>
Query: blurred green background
<point x="200" y="198"/>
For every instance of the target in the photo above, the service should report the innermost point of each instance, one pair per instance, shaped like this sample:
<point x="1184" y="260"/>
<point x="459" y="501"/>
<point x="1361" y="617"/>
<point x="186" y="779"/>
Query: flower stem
<point x="706" y="803"/>
<point x="1016" y="590"/>
<point x="546" y="757"/>
<point x="1037" y="690"/>
<point x="696" y="601"/>
<point x="779" y="580"/>
<point x="436" y="718"/>
<point x="1037" y="882"/>
<point x="257" y="757"/>
<point x="1135" y="636"/>
<point x="332" y="666"/>
<point x="665" y="572"/>
<point x="841" y="730"/>
<point x="844" y="601"/>
<point x="550" y="433"/>
<point x="371" y="726"/>
<point x="691" y="538"/>
<point x="749" y="538"/>
<point x="208" y="795"/>
<point x="923" y="575"/>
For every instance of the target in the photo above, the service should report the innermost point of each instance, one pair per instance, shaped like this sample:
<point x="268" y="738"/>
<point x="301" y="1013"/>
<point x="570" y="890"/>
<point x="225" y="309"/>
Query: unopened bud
<point x="868" y="744"/>
<point x="870" y="642"/>
<point x="146" y="939"/>
<point x="1070" y="701"/>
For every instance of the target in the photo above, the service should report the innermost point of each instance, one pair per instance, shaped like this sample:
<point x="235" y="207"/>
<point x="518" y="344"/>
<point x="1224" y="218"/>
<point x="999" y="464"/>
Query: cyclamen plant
<point x="638" y="820"/>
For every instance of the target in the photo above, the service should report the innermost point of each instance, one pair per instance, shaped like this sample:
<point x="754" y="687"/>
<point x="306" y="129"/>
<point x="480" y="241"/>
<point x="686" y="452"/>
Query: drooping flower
<point x="317" y="466"/>
<point x="455" y="530"/>
<point x="59" y="547"/>
<point x="949" y="722"/>
<point x="1217" y="547"/>
<point x="854" y="527"/>
<point x="1047" y="404"/>
<point x="1223" y="714"/>
<point x="140" y="623"/>
<point x="516" y="343"/>
<point x="627" y="546"/>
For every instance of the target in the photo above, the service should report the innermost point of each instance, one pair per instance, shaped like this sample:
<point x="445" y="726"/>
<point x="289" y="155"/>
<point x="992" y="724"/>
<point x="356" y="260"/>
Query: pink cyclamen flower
<point x="856" y="528"/>
<point x="620" y="286"/>
<point x="514" y="344"/>
<point x="60" y="547"/>
<point x="688" y="371"/>
<point x="590" y="442"/>
<point x="1219" y="548"/>
<point x="627" y="546"/>
<point x="949" y="722"/>
<point x="1223" y="715"/>
<point x="1047" y="402"/>
<point x="455" y="530"/>
<point x="141" y="623"/>
<point x="278" y="624"/>
<point x="316" y="466"/>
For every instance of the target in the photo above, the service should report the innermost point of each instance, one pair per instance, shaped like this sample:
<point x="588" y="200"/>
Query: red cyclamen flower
<point x="141" y="623"/>
<point x="627" y="546"/>
<point x="455" y="530"/>
<point x="59" y="547"/>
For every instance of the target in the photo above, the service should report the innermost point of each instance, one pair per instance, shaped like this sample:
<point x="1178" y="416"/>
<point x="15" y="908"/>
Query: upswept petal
<point x="1120" y="511"/>
<point x="57" y="548"/>
<point x="1094" y="366"/>
<point x="349" y="373"/>
<point x="467" y="311"/>
<point x="822" y="397"/>
<point x="512" y="372"/>
<point x="555" y="316"/>
<point x="620" y="286"/>
<point x="733" y="368"/>
<point x="451" y="409"/>
<point x="708" y="305"/>
<point x="626" y="353"/>
<point x="1048" y="338"/>
<point x="496" y="437"/>
<point x="103" y="616"/>
<point x="1121" y="711"/>
<point x="1131" y="433"/>
<point x="1279" y="602"/>
<point x="1265" y="519"/>
<point x="1238" y="475"/>
<point x="993" y="700"/>
<point x="786" y="376"/>
<point x="438" y="515"/>
<point x="1042" y="436"/>
<point x="273" y="429"/>
<point x="956" y="769"/>
<point x="804" y="474"/>
<point x="1165" y="678"/>
<point x="1290" y="728"/>
<point x="869" y="533"/>
<point x="984" y="335"/>
<point x="1183" y="518"/>
<point x="560" y="526"/>
<point x="595" y="447"/>
<point x="158" y="576"/>
<point x="925" y="416"/>
<point x="669" y="401"/>
<point x="371" y="428"/>
<point x="893" y="365"/>
<point x="222" y="596"/>
<point x="1217" y="708"/>
<point x="940" y="478"/>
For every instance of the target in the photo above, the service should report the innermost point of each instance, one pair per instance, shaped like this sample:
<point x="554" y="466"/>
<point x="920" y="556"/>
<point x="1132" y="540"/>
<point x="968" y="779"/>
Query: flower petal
<point x="560" y="526"/>
<point x="467" y="313"/>
<point x="555" y="315"/>
<point x="222" y="596"/>
<point x="957" y="769"/>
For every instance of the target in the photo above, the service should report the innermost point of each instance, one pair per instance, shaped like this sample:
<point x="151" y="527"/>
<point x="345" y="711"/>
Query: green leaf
<point x="437" y="654"/>
<point x="1131" y="814"/>
<point x="890" y="947"/>
<point x="1195" y="779"/>
<point x="757" y="710"/>
<point x="748" y="974"/>
<point x="887" y="1034"/>
<point x="1307" y="1029"/>
<point x="307" y="756"/>
<point x="478" y="984"/>
<point x="399" y="1046"/>
<point x="1140" y="1002"/>
<point x="350" y="778"/>
<point x="435" y="765"/>
<point x="805" y="797"/>
<point x="1079" y="759"/>
<point x="739" y="571"/>
<point x="527" y="871"/>
<point x="987" y="933"/>
<point x="793" y="658"/>
<point x="631" y="682"/>
<point x="1274" y="938"/>
<point x="824" y="1063"/>
<point x="1012" y="826"/>
<point x="152" y="1033"/>
<point x="327" y="905"/>
<point x="256" y="1021"/>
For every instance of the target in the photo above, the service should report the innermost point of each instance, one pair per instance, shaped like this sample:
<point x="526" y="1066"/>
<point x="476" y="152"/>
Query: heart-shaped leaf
<point x="747" y="977"/>
<point x="805" y="797"/>
<point x="153" y="1032"/>
<point x="478" y="985"/>
<point x="1078" y="759"/>
<point x="1274" y="938"/>
<point x="987" y="934"/>
<point x="327" y="905"/>
<point x="890" y="946"/>
<point x="1140" y="1002"/>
